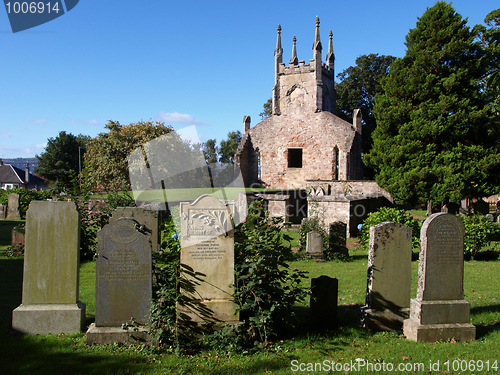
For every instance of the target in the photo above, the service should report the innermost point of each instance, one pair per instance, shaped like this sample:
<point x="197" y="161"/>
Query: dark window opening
<point x="294" y="158"/>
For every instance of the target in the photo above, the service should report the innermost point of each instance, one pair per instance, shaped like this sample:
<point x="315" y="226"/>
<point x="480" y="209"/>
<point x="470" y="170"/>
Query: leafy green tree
<point x="268" y="109"/>
<point x="435" y="138"/>
<point x="106" y="164"/>
<point x="357" y="89"/>
<point x="211" y="151"/>
<point x="61" y="159"/>
<point x="228" y="147"/>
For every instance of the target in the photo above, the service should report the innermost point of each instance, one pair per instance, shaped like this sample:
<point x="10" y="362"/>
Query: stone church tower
<point x="302" y="87"/>
<point x="303" y="140"/>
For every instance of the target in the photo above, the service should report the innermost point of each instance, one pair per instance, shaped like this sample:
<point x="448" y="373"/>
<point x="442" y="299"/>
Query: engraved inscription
<point x="124" y="265"/>
<point x="207" y="250"/>
<point x="447" y="245"/>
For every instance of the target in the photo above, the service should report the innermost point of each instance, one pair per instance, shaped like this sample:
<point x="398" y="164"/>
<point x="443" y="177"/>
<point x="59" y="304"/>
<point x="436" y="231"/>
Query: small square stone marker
<point x="439" y="312"/>
<point x="314" y="244"/>
<point x="50" y="283"/>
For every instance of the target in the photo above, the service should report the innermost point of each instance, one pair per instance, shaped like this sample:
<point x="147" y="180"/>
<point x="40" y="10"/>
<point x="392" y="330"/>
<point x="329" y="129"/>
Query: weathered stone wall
<point x="318" y="135"/>
<point x="349" y="210"/>
<point x="343" y="188"/>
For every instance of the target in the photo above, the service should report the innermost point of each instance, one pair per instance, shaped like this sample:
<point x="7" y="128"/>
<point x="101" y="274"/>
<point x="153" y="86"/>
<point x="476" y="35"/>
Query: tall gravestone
<point x="207" y="247"/>
<point x="123" y="282"/>
<point x="439" y="312"/>
<point x="389" y="277"/>
<point x="13" y="212"/>
<point x="3" y="211"/>
<point x="50" y="283"/>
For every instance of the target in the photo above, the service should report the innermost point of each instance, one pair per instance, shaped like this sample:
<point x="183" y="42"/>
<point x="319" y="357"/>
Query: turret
<point x="294" y="60"/>
<point x="318" y="65"/>
<point x="278" y="60"/>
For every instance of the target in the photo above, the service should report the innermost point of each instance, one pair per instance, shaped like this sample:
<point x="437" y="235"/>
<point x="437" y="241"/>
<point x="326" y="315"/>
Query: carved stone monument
<point x="50" y="284"/>
<point x="123" y="283"/>
<point x="13" y="212"/>
<point x="439" y="312"/>
<point x="207" y="247"/>
<point x="389" y="277"/>
<point x="314" y="244"/>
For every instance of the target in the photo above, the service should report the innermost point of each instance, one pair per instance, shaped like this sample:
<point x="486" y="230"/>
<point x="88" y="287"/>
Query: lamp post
<point x="80" y="165"/>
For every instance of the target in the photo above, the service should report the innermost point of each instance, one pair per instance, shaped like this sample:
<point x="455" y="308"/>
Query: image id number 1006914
<point x="32" y="7"/>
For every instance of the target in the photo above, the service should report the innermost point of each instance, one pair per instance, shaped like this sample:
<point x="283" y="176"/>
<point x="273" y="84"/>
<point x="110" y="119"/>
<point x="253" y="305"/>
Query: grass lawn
<point x="32" y="354"/>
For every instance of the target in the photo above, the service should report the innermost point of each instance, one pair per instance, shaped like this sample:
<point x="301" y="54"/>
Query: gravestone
<point x="338" y="239"/>
<point x="314" y="244"/>
<point x="146" y="217"/>
<point x="17" y="237"/>
<point x="50" y="283"/>
<point x="3" y="211"/>
<point x="389" y="277"/>
<point x="451" y="208"/>
<point x="481" y="207"/>
<point x="123" y="282"/>
<point x="207" y="247"/>
<point x="323" y="303"/>
<point x="13" y="212"/>
<point x="439" y="312"/>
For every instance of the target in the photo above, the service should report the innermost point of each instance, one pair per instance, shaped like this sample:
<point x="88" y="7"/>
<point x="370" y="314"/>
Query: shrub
<point x="394" y="215"/>
<point x="265" y="288"/>
<point x="166" y="266"/>
<point x="479" y="232"/>
<point x="25" y="197"/>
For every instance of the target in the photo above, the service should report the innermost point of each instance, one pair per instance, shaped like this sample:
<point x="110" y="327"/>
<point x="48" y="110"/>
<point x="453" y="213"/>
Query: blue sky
<point x="203" y="63"/>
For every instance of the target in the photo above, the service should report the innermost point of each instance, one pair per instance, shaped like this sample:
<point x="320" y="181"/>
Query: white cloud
<point x="86" y="122"/>
<point x="6" y="135"/>
<point x="179" y="118"/>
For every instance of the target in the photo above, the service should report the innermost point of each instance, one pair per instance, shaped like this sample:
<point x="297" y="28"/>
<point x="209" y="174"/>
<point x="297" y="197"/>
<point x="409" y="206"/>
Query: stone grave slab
<point x="323" y="303"/>
<point x="50" y="284"/>
<point x="13" y="212"/>
<point x="338" y="239"/>
<point x="123" y="283"/>
<point x="314" y="244"/>
<point x="207" y="247"/>
<point x="389" y="277"/>
<point x="3" y="211"/>
<point x="439" y="312"/>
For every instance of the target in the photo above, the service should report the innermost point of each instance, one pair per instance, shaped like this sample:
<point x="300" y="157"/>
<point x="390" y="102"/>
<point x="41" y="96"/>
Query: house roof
<point x="11" y="174"/>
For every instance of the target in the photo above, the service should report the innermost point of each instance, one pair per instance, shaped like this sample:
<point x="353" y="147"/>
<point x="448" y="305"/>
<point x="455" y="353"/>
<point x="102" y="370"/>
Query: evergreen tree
<point x="435" y="138"/>
<point x="357" y="89"/>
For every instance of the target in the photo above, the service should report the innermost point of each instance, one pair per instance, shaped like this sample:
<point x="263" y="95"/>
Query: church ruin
<point x="303" y="145"/>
